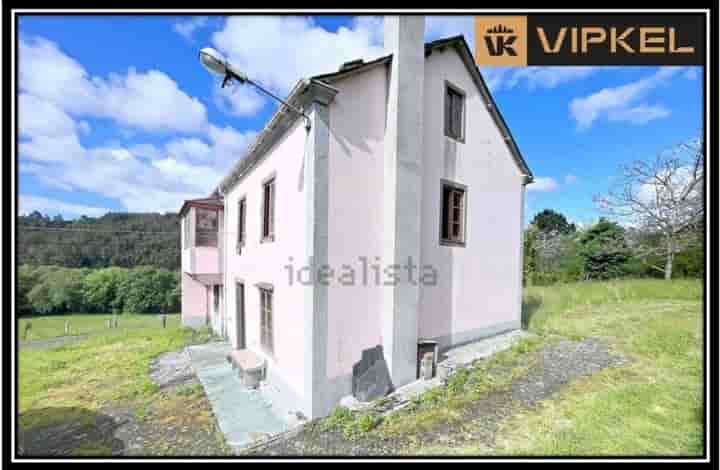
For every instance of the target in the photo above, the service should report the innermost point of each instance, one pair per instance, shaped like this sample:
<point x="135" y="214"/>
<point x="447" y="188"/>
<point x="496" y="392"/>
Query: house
<point x="393" y="216"/>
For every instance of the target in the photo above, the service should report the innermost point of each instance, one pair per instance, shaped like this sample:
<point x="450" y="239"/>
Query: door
<point x="240" y="308"/>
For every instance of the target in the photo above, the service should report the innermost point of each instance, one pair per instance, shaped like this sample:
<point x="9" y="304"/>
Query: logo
<point x="597" y="39"/>
<point x="499" y="41"/>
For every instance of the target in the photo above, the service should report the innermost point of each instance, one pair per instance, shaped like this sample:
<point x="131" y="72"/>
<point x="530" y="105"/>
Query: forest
<point x="115" y="239"/>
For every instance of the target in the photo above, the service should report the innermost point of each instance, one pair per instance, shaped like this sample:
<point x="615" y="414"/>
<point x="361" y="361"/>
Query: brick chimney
<point x="402" y="191"/>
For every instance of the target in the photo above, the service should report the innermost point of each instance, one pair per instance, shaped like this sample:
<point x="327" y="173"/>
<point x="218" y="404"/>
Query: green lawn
<point x="80" y="381"/>
<point x="654" y="405"/>
<point x="51" y="326"/>
<point x="651" y="405"/>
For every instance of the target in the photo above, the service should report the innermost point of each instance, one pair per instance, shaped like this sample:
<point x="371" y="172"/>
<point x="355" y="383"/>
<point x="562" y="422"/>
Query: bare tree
<point x="663" y="198"/>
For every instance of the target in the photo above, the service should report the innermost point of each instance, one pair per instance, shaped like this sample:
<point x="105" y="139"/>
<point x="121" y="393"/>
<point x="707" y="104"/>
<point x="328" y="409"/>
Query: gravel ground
<point x="556" y="364"/>
<point x="173" y="369"/>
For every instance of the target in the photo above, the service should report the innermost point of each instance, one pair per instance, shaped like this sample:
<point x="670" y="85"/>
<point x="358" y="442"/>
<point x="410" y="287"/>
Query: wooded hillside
<point x="115" y="239"/>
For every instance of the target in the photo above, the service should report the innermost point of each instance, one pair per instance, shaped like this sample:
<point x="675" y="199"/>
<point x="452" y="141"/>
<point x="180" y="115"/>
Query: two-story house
<point x="395" y="217"/>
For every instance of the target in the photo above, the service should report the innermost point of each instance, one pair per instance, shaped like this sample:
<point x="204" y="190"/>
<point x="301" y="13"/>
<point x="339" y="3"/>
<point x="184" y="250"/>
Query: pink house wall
<point x="357" y="117"/>
<point x="194" y="302"/>
<point x="267" y="262"/>
<point x="479" y="285"/>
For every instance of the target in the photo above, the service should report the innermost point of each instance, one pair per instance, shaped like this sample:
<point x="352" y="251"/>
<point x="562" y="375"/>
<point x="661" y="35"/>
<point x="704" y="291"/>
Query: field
<point x="650" y="404"/>
<point x="74" y="396"/>
<point x="53" y="326"/>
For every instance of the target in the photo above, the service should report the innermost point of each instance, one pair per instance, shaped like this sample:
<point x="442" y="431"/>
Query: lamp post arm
<point x="270" y="94"/>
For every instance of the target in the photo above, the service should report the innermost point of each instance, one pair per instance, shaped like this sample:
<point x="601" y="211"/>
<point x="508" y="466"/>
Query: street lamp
<point x="216" y="63"/>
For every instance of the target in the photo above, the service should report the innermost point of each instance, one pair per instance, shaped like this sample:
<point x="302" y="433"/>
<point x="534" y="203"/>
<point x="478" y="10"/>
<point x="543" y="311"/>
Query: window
<point x="206" y="227"/>
<point x="186" y="232"/>
<point x="266" y="319"/>
<point x="268" y="211"/>
<point x="454" y="113"/>
<point x="217" y="292"/>
<point x="241" y="223"/>
<point x="453" y="216"/>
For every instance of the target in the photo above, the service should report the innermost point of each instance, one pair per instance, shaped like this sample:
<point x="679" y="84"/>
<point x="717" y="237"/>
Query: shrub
<point x="102" y="289"/>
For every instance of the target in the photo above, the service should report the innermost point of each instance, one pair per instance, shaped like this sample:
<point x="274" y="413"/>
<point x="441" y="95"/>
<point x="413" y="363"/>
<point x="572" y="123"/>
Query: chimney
<point x="402" y="192"/>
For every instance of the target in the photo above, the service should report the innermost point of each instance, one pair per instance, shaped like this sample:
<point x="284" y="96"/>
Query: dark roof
<point x="354" y="66"/>
<point x="212" y="202"/>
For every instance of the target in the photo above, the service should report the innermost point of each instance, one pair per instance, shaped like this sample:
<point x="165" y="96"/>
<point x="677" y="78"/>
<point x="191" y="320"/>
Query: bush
<point x="102" y="289"/>
<point x="57" y="290"/>
<point x="149" y="290"/>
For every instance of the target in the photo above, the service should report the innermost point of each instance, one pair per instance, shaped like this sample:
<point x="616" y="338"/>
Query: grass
<point x="53" y="326"/>
<point x="652" y="406"/>
<point x="78" y="382"/>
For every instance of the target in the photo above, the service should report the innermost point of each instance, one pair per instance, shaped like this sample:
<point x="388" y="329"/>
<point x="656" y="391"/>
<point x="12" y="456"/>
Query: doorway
<point x="240" y="308"/>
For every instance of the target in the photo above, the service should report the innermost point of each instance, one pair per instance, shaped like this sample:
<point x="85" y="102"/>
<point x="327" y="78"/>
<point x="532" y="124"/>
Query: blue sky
<point x="115" y="113"/>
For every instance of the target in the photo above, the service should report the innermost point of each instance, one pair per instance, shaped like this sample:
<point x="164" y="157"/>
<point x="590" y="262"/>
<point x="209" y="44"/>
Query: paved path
<point x="243" y="414"/>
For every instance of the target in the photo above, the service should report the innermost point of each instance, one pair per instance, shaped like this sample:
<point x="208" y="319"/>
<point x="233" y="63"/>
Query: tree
<point x="148" y="290"/>
<point x="663" y="196"/>
<point x="604" y="250"/>
<point x="549" y="221"/>
<point x="102" y="289"/>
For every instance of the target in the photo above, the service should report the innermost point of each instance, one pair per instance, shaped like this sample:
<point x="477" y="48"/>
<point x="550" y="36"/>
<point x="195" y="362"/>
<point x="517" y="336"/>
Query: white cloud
<point x="437" y="27"/>
<point x="238" y="100"/>
<point x="571" y="179"/>
<point x="187" y="27"/>
<point x="29" y="204"/>
<point x="141" y="176"/>
<point x="638" y="114"/>
<point x="543" y="184"/>
<point x="623" y="103"/>
<point x="279" y="50"/>
<point x="151" y="100"/>
<point x="40" y="117"/>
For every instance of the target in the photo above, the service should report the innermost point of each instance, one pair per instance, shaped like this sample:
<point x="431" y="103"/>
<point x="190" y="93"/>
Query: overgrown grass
<point x="52" y="326"/>
<point x="448" y="403"/>
<point x="103" y="370"/>
<point x="652" y="406"/>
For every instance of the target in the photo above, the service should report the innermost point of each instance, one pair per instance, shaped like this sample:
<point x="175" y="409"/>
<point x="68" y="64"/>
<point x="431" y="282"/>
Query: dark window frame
<point x="267" y="211"/>
<point x="217" y="295"/>
<point x="242" y="222"/>
<point x="204" y="237"/>
<point x="267" y="329"/>
<point x="454" y="94"/>
<point x="447" y="221"/>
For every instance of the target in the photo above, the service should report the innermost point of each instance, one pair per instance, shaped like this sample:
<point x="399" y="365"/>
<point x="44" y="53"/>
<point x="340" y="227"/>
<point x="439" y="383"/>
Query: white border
<point x="468" y="12"/>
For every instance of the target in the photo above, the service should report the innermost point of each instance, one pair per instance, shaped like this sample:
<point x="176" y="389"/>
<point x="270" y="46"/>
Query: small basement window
<point x="453" y="215"/>
<point x="454" y="113"/>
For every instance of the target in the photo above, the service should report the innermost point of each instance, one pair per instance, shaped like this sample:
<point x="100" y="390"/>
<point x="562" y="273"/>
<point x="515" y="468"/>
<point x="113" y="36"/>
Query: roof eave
<point x="279" y="123"/>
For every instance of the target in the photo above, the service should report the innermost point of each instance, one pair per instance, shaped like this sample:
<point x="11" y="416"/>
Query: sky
<point x="115" y="113"/>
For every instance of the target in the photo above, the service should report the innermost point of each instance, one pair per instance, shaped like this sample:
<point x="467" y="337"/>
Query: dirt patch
<point x="177" y="421"/>
<point x="64" y="431"/>
<point x="554" y="365"/>
<point x="172" y="370"/>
